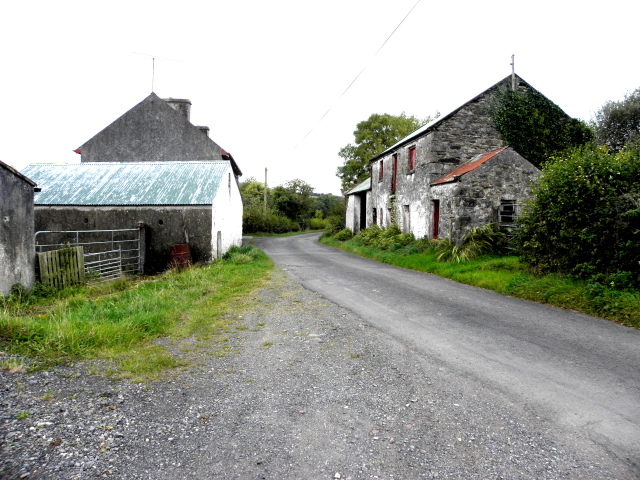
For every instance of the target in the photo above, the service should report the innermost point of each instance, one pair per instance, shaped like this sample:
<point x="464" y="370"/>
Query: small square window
<point x="507" y="212"/>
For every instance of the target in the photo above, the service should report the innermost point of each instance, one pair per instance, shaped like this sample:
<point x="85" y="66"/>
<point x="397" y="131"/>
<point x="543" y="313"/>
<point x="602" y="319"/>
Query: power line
<point x="357" y="76"/>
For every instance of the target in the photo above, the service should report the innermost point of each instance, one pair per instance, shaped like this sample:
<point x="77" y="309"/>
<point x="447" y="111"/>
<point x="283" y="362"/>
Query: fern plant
<point x="477" y="241"/>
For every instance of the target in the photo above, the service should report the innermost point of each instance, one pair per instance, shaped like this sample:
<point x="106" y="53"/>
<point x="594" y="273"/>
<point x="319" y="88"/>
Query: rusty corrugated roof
<point x="471" y="165"/>
<point x="102" y="183"/>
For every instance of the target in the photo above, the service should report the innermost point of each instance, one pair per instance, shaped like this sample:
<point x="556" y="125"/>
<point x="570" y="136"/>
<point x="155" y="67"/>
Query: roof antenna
<point x="513" y="72"/>
<point x="153" y="66"/>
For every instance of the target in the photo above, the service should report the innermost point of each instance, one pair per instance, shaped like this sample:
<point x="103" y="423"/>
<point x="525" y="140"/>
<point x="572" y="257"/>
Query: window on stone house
<point x="406" y="219"/>
<point x="375" y="216"/>
<point x="381" y="171"/>
<point x="394" y="173"/>
<point x="507" y="212"/>
<point x="412" y="157"/>
<point x="381" y="219"/>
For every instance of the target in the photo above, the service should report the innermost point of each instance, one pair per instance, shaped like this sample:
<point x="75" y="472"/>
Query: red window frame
<point x="394" y="173"/>
<point x="412" y="157"/>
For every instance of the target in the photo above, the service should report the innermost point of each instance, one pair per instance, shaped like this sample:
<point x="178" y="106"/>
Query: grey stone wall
<point x="17" y="254"/>
<point x="474" y="199"/>
<point x="152" y="131"/>
<point x="166" y="226"/>
<point x="457" y="138"/>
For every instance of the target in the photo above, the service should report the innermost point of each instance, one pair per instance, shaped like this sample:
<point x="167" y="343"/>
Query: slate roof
<point x="102" y="183"/>
<point x="467" y="167"/>
<point x="361" y="187"/>
<point x="433" y="124"/>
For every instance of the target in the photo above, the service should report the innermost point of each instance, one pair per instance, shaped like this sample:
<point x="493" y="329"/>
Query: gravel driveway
<point x="311" y="392"/>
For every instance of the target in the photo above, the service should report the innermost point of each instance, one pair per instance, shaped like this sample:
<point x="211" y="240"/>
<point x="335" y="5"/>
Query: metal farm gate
<point x="107" y="253"/>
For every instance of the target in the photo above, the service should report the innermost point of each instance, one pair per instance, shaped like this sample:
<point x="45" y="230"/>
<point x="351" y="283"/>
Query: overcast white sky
<point x="262" y="73"/>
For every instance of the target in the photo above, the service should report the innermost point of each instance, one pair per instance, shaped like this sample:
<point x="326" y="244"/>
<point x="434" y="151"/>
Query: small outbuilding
<point x="356" y="211"/>
<point x="17" y="254"/>
<point x="490" y="187"/>
<point x="195" y="203"/>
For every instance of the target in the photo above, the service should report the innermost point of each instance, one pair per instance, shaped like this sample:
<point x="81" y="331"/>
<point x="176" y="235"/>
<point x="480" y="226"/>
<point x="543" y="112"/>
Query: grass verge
<point x="122" y="321"/>
<point x="288" y="234"/>
<point x="506" y="275"/>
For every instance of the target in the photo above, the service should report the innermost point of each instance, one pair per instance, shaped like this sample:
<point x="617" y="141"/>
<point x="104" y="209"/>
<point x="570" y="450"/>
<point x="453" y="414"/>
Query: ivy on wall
<point x="533" y="125"/>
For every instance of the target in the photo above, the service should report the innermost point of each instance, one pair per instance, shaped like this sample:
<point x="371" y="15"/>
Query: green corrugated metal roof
<point x="361" y="187"/>
<point x="163" y="183"/>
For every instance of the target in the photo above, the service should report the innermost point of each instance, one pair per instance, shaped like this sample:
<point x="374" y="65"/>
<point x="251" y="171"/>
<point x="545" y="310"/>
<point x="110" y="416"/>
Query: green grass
<point x="120" y="321"/>
<point x="506" y="275"/>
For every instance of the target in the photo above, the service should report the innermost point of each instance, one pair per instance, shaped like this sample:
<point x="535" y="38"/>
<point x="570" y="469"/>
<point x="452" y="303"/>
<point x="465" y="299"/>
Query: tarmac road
<point x="343" y="368"/>
<point x="577" y="372"/>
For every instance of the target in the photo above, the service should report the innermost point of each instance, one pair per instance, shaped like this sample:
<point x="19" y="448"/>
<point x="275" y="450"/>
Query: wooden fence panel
<point x="62" y="268"/>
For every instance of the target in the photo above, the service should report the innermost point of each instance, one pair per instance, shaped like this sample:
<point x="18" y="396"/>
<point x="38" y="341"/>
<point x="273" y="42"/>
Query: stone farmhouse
<point x="17" y="254"/>
<point x="151" y="166"/>
<point x="447" y="177"/>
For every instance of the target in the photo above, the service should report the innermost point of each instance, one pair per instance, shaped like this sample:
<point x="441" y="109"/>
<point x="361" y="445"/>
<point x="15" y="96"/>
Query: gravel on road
<point x="309" y="392"/>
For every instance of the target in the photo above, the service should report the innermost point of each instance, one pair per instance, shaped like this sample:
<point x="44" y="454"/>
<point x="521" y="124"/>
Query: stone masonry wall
<point x="17" y="254"/>
<point x="460" y="136"/>
<point x="166" y="226"/>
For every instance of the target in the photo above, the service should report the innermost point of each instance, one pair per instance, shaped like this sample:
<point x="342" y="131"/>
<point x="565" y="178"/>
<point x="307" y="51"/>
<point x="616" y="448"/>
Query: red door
<point x="436" y="219"/>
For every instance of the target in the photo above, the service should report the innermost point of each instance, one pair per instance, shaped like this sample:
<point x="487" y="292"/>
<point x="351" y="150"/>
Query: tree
<point x="618" y="123"/>
<point x="534" y="126"/>
<point x="252" y="192"/>
<point x="329" y="204"/>
<point x="373" y="136"/>
<point x="293" y="199"/>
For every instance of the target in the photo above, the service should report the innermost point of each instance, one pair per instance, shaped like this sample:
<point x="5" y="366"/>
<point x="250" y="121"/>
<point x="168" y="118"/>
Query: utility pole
<point x="513" y="72"/>
<point x="265" y="191"/>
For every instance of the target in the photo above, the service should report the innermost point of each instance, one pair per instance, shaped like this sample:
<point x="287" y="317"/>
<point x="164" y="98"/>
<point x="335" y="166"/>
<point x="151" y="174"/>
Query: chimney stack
<point x="181" y="105"/>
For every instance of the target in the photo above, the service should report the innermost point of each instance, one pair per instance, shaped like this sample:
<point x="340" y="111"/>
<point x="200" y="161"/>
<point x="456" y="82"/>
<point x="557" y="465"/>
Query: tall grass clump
<point x="111" y="320"/>
<point x="485" y="239"/>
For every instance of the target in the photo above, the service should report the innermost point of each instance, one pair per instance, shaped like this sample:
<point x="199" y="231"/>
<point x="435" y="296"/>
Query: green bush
<point x="335" y="223"/>
<point x="368" y="236"/>
<point x="254" y="220"/>
<point x="585" y="217"/>
<point x="343" y="235"/>
<point x="317" y="223"/>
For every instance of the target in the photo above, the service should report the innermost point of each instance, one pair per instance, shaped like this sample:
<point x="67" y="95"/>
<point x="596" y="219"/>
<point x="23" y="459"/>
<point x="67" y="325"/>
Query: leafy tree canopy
<point x="373" y="136"/>
<point x="294" y="200"/>
<point x="534" y="126"/>
<point x="618" y="123"/>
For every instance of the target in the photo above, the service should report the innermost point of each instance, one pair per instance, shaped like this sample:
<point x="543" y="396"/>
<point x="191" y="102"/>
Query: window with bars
<point x="508" y="212"/>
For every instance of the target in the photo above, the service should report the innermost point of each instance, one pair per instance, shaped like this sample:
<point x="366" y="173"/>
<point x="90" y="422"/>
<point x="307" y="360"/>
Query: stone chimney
<point x="181" y="105"/>
<point x="203" y="129"/>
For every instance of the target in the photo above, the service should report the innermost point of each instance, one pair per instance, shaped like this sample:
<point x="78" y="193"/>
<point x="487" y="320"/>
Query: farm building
<point x="17" y="254"/>
<point x="195" y="203"/>
<point x="447" y="177"/>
